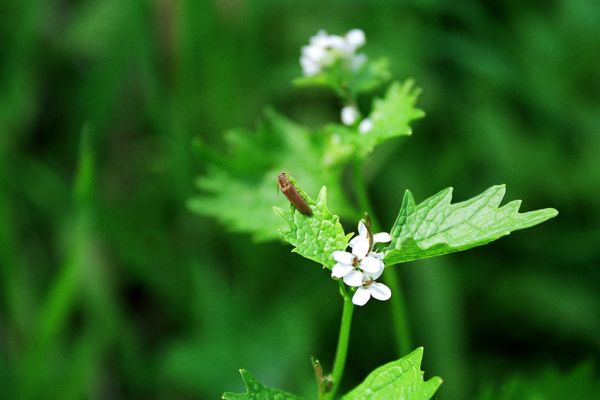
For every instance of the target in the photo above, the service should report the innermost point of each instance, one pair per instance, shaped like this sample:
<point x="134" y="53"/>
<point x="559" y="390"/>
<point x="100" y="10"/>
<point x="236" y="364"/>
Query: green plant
<point x="318" y="157"/>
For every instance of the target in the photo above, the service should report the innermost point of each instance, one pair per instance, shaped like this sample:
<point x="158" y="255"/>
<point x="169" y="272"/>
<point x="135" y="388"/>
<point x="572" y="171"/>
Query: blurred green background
<point x="110" y="288"/>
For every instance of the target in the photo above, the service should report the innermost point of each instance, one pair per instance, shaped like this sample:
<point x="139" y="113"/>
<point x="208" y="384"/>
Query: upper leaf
<point x="391" y="115"/>
<point x="369" y="78"/>
<point x="258" y="391"/>
<point x="398" y="380"/>
<point x="437" y="227"/>
<point x="315" y="237"/>
<point x="240" y="186"/>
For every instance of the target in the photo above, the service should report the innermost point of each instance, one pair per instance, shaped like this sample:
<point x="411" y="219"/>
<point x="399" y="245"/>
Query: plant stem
<point x="391" y="278"/>
<point x="360" y="191"/>
<point x="399" y="313"/>
<point x="342" y="345"/>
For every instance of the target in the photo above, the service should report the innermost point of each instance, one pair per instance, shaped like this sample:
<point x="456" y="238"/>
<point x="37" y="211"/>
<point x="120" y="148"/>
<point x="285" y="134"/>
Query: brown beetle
<point x="292" y="194"/>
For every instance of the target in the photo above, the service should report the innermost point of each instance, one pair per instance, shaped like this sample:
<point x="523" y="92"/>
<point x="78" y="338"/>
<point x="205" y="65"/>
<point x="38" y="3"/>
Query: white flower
<point x="371" y="289"/>
<point x="350" y="267"/>
<point x="310" y="66"/>
<point x="355" y="275"/>
<point x="363" y="243"/>
<point x="349" y="115"/>
<point x="362" y="267"/>
<point x="323" y="50"/>
<point x="365" y="125"/>
<point x="355" y="38"/>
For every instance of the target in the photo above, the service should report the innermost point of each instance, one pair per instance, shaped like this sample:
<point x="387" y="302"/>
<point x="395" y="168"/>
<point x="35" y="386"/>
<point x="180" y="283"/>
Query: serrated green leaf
<point x="391" y="116"/>
<point x="258" y="391"/>
<point x="437" y="227"/>
<point x="315" y="237"/>
<point x="240" y="186"/>
<point x="398" y="380"/>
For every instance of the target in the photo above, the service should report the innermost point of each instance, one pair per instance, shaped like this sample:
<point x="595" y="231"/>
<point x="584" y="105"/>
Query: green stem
<point x="391" y="277"/>
<point x="342" y="345"/>
<point x="360" y="191"/>
<point x="399" y="313"/>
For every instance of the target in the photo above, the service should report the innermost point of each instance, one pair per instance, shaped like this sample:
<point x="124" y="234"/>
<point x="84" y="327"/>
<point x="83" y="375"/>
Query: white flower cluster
<point x="362" y="267"/>
<point x="324" y="50"/>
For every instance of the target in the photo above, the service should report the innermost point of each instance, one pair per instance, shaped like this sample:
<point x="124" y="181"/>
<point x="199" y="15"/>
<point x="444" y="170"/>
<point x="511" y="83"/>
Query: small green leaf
<point x="391" y="116"/>
<point x="437" y="227"/>
<point x="257" y="391"/>
<point x="398" y="380"/>
<point x="370" y="77"/>
<point x="315" y="237"/>
<point x="344" y="80"/>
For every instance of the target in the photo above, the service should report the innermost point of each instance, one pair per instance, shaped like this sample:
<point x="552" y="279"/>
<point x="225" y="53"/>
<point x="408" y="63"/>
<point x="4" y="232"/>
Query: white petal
<point x="336" y="42"/>
<point x="365" y="125"/>
<point x="320" y="39"/>
<point x="340" y="270"/>
<point x="349" y="115"/>
<point x="309" y="67"/>
<point x="360" y="248"/>
<point x="314" y="53"/>
<point x="374" y="276"/>
<point x="356" y="38"/>
<point x="355" y="240"/>
<point x="354" y="278"/>
<point x="381" y="237"/>
<point x="361" y="296"/>
<point x="343" y="257"/>
<point x="379" y="291"/>
<point x="371" y="265"/>
<point x="362" y="229"/>
<point x="378" y="256"/>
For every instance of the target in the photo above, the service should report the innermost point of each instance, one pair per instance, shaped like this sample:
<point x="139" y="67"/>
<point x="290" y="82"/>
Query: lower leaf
<point x="258" y="391"/>
<point x="398" y="380"/>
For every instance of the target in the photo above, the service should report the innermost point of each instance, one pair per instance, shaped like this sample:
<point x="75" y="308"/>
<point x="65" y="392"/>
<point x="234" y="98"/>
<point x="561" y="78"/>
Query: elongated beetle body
<point x="292" y="194"/>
